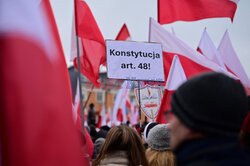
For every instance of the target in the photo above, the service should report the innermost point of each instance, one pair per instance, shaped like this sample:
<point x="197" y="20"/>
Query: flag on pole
<point x="231" y="59"/>
<point x="118" y="115"/>
<point x="134" y="114"/>
<point x="108" y="120"/>
<point x="92" y="45"/>
<point x="176" y="77"/>
<point x="192" y="61"/>
<point x="124" y="34"/>
<point x="36" y="103"/>
<point x="208" y="49"/>
<point x="191" y="10"/>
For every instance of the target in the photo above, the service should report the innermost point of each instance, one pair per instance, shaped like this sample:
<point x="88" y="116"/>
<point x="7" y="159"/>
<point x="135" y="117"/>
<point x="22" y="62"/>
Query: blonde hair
<point x="159" y="158"/>
<point x="126" y="139"/>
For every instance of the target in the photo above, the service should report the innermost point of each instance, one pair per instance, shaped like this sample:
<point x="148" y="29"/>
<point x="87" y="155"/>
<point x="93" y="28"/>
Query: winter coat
<point x="117" y="158"/>
<point x="211" y="152"/>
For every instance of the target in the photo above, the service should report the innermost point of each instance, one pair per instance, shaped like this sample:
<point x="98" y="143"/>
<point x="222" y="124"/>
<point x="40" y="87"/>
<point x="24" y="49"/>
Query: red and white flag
<point x="36" y="104"/>
<point x="208" y="49"/>
<point x="124" y="34"/>
<point x="134" y="114"/>
<point x="176" y="77"/>
<point x="118" y="114"/>
<point x="191" y="10"/>
<point x="91" y="43"/>
<point x="231" y="60"/>
<point x="192" y="61"/>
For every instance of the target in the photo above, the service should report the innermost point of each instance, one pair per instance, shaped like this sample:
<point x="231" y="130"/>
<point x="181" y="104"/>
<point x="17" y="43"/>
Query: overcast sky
<point x="112" y="14"/>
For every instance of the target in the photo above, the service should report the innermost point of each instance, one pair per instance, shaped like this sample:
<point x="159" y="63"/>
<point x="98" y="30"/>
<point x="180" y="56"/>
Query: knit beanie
<point x="159" y="138"/>
<point x="148" y="127"/>
<point x="211" y="103"/>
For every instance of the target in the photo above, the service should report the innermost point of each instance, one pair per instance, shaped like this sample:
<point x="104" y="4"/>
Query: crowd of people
<point x="210" y="127"/>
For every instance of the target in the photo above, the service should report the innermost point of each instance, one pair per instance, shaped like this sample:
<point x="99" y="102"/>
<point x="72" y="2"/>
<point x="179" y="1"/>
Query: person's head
<point x="98" y="144"/>
<point x="211" y="104"/>
<point x="159" y="158"/>
<point x="147" y="128"/>
<point x="123" y="138"/>
<point x="158" y="152"/>
<point x="91" y="105"/>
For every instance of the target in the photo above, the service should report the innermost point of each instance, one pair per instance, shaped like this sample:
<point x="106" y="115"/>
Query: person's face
<point x="179" y="132"/>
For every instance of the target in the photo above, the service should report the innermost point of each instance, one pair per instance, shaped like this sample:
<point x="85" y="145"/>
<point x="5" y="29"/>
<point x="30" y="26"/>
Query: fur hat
<point x="211" y="103"/>
<point x="159" y="138"/>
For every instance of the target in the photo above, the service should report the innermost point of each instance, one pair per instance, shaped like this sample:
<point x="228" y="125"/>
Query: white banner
<point x="134" y="60"/>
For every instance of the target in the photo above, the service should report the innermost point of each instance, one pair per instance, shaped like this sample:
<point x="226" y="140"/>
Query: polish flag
<point x="208" y="49"/>
<point x="108" y="119"/>
<point x="192" y="61"/>
<point x="86" y="139"/>
<point x="102" y="118"/>
<point x="191" y="10"/>
<point x="124" y="34"/>
<point x="231" y="59"/>
<point x="118" y="115"/>
<point x="36" y="104"/>
<point x="176" y="77"/>
<point x="91" y="42"/>
<point x="134" y="114"/>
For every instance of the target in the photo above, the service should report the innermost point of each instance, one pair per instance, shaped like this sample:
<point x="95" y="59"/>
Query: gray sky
<point x="112" y="14"/>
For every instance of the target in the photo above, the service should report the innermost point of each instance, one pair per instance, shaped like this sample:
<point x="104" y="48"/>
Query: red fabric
<point x="92" y="42"/>
<point x="246" y="124"/>
<point x="191" y="10"/>
<point x="190" y="67"/>
<point x="87" y="146"/>
<point x="165" y="107"/>
<point x="36" y="126"/>
<point x="99" y="123"/>
<point x="123" y="35"/>
<point x="119" y="115"/>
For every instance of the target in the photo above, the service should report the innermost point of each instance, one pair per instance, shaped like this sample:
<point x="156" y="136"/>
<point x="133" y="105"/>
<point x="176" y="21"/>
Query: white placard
<point x="134" y="60"/>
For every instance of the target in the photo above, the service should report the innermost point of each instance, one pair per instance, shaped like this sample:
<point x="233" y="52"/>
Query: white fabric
<point x="73" y="52"/>
<point x="209" y="50"/>
<point x="176" y="75"/>
<point x="77" y="103"/>
<point x="118" y="102"/>
<point x="172" y="44"/>
<point x="134" y="114"/>
<point x="103" y="115"/>
<point x="30" y="24"/>
<point x="231" y="60"/>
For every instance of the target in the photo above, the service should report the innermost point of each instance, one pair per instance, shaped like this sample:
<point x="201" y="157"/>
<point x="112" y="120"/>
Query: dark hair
<point x="123" y="138"/>
<point x="91" y="105"/>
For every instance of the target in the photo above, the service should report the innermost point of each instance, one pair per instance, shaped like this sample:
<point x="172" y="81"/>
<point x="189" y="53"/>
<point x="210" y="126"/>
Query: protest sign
<point x="134" y="60"/>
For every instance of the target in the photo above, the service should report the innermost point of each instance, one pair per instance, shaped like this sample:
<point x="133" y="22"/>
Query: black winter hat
<point x="211" y="103"/>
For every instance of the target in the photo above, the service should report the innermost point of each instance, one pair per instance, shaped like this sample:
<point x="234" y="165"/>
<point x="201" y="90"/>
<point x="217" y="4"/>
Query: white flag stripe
<point x="172" y="44"/>
<point x="32" y="23"/>
<point x="176" y="75"/>
<point x="209" y="50"/>
<point x="231" y="60"/>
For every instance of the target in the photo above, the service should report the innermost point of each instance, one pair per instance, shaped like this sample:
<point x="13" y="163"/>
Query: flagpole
<point x="139" y="104"/>
<point x="88" y="97"/>
<point x="80" y="85"/>
<point x="80" y="88"/>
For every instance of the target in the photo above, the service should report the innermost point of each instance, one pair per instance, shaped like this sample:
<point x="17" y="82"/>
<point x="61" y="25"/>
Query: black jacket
<point x="211" y="152"/>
